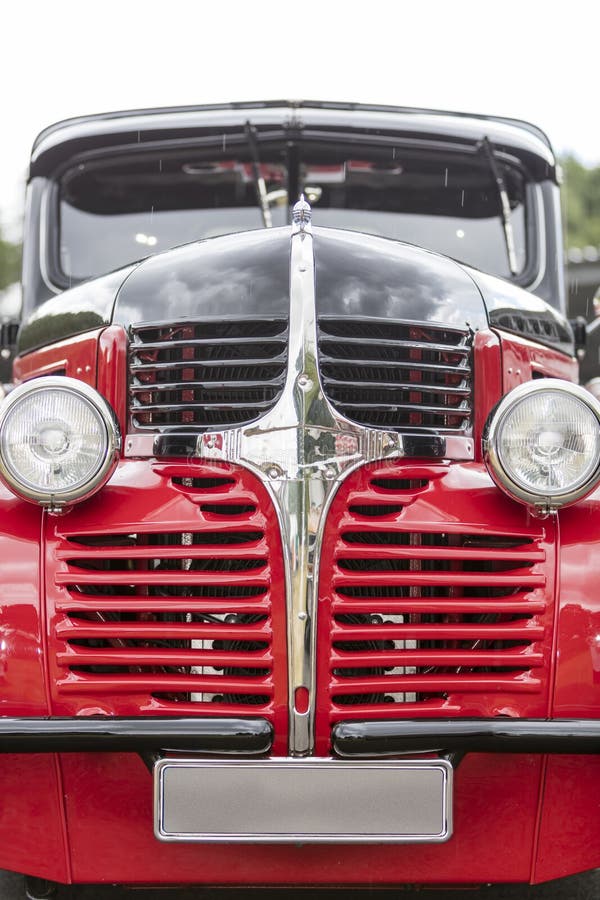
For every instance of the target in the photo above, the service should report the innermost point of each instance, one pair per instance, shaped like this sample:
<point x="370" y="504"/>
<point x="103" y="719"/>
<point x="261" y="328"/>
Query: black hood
<point x="247" y="275"/>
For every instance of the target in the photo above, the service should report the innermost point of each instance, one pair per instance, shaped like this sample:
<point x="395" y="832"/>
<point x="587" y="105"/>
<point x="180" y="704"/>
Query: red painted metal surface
<point x="23" y="690"/>
<point x="31" y="816"/>
<point x="435" y="599"/>
<point x="112" y="371"/>
<point x="164" y="598"/>
<point x="32" y="822"/>
<point x="109" y="804"/>
<point x="75" y="357"/>
<point x="568" y="840"/>
<point x="523" y="360"/>
<point x="436" y="590"/>
<point x="577" y="688"/>
<point x="488" y="387"/>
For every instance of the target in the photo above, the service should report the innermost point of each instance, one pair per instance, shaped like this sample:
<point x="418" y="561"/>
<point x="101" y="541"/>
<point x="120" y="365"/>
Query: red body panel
<point x="516" y="817"/>
<point x="523" y="360"/>
<point x="110" y="806"/>
<point x="31" y="812"/>
<point x="75" y="357"/>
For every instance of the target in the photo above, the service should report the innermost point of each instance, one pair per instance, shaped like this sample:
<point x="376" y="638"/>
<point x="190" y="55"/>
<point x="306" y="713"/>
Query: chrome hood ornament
<point x="301" y="215"/>
<point x="302" y="450"/>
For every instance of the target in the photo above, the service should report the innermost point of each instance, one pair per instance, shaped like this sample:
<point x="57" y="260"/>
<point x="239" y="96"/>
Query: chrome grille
<point x="398" y="375"/>
<point x="205" y="374"/>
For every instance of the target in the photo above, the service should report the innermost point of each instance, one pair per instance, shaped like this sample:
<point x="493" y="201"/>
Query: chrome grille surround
<point x="302" y="449"/>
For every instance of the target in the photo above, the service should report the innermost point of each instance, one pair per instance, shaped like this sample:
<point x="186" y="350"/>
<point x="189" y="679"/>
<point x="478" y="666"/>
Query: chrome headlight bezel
<point x="110" y="435"/>
<point x="548" y="500"/>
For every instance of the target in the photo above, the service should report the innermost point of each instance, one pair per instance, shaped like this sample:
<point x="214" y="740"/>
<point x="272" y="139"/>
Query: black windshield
<point x="134" y="205"/>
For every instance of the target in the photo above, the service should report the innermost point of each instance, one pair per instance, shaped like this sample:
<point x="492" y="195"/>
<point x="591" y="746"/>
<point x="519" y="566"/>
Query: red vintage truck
<point x="299" y="524"/>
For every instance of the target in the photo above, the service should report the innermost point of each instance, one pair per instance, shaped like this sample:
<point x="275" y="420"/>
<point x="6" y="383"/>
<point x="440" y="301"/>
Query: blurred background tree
<point x="581" y="203"/>
<point x="10" y="262"/>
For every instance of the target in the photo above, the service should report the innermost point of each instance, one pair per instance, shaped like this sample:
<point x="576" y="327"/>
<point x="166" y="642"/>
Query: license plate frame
<point x="303" y="800"/>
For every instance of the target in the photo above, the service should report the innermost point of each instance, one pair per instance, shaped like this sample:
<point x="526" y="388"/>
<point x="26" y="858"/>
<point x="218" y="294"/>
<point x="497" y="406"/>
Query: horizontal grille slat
<point x="399" y="408"/>
<point x="160" y="631"/>
<point x="398" y="374"/>
<point x="454" y="554"/>
<point x="201" y="374"/>
<point x="130" y="656"/>
<point x="204" y="342"/>
<point x="165" y="605"/>
<point x="431" y="579"/>
<point x="176" y="683"/>
<point x="194" y="365"/>
<point x="461" y="370"/>
<point x="434" y="683"/>
<point x="386" y="387"/>
<point x="238" y="385"/>
<point x="417" y="606"/>
<point x="154" y="578"/>
<point x="424" y="658"/>
<point x="398" y="343"/>
<point x="197" y="408"/>
<point x="201" y="552"/>
<point x="438" y="632"/>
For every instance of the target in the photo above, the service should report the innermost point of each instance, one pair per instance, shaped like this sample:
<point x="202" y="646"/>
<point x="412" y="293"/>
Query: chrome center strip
<point x="302" y="450"/>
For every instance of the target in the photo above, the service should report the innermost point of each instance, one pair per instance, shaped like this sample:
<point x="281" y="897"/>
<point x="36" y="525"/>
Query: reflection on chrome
<point x="302" y="449"/>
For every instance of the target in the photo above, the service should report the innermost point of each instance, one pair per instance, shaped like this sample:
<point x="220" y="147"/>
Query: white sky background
<point x="527" y="59"/>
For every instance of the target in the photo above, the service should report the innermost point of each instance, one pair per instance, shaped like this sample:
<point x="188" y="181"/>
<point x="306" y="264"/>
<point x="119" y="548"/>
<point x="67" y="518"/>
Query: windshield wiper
<point x="486" y="146"/>
<point x="259" y="181"/>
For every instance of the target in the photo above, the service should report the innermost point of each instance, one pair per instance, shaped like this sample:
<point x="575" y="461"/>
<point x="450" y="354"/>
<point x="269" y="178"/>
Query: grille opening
<point x="205" y="374"/>
<point x="389" y="330"/>
<point x="430" y="565"/>
<point x="418" y="591"/>
<point x="381" y="509"/>
<point x="218" y="592"/>
<point x="212" y="329"/>
<point x="400" y="484"/>
<point x="226" y="699"/>
<point x="397" y="375"/>
<point x="432" y="539"/>
<point x="166" y="538"/>
<point x="202" y="484"/>
<point x="227" y="509"/>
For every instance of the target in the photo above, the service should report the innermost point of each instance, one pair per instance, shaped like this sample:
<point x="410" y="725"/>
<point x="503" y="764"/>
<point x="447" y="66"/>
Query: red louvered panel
<point x="435" y="599"/>
<point x="170" y="603"/>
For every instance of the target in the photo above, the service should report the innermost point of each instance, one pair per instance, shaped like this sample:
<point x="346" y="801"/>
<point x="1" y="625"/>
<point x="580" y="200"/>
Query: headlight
<point x="59" y="441"/>
<point x="542" y="443"/>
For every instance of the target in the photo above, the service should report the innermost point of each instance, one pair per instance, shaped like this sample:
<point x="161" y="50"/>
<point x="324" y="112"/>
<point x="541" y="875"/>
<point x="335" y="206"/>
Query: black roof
<point x="64" y="140"/>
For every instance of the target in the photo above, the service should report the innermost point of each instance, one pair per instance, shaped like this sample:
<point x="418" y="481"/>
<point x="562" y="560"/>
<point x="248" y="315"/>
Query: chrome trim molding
<point x="542" y="503"/>
<point x="296" y="450"/>
<point x="309" y="801"/>
<point x="302" y="450"/>
<point x="55" y="502"/>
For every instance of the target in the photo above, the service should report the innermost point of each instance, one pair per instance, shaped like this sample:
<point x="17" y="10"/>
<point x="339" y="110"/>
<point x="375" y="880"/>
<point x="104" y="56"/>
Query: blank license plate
<point x="295" y="800"/>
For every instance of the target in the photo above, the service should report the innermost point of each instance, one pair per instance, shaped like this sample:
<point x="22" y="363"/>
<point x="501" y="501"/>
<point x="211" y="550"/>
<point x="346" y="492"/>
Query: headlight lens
<point x="59" y="441"/>
<point x="542" y="443"/>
